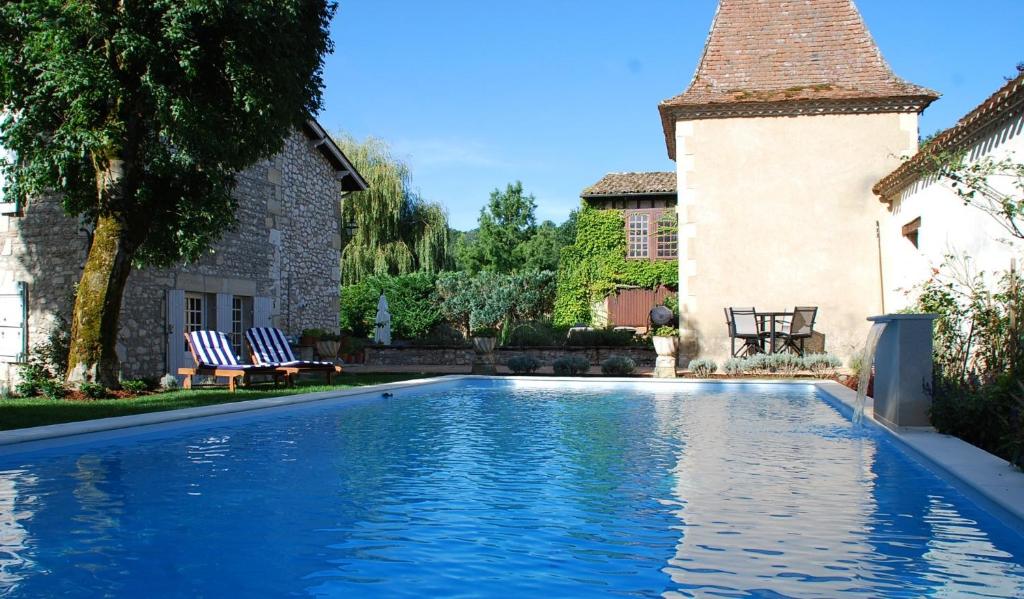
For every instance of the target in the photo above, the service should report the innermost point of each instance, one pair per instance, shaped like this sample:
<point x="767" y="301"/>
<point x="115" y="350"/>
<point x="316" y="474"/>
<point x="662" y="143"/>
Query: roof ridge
<point x="1004" y="102"/>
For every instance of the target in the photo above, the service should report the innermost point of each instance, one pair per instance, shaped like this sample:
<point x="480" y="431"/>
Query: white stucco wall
<point x="779" y="212"/>
<point x="948" y="226"/>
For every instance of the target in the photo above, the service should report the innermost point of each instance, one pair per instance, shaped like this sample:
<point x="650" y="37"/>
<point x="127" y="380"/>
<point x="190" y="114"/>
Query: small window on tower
<point x="911" y="229"/>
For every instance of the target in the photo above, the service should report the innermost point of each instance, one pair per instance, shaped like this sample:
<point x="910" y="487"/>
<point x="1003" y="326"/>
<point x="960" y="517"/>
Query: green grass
<point x="36" y="411"/>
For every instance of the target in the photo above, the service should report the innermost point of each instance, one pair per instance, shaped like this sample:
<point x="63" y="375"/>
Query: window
<point x="667" y="236"/>
<point x="638" y="235"/>
<point x="195" y="312"/>
<point x="8" y="206"/>
<point x="647" y="240"/>
<point x="911" y="229"/>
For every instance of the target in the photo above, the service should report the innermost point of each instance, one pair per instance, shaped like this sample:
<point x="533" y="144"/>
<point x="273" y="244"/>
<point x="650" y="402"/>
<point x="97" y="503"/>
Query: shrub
<point x="735" y="366"/>
<point x="757" y="364"/>
<point x="32" y="375"/>
<point x="485" y="332"/>
<point x="134" y="386"/>
<point x="93" y="390"/>
<point x="53" y="389"/>
<point x="784" y="363"/>
<point x="666" y="331"/>
<point x="523" y="364"/>
<point x="168" y="382"/>
<point x="441" y="334"/>
<point x="571" y="365"/>
<point x="703" y="367"/>
<point x="412" y="300"/>
<point x="490" y="299"/>
<point x="618" y="366"/>
<point x="607" y="337"/>
<point x="536" y="333"/>
<point x="822" y="365"/>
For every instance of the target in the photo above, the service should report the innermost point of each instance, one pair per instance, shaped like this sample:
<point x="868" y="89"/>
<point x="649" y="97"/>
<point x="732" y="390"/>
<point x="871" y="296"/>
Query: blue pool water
<point x="495" y="490"/>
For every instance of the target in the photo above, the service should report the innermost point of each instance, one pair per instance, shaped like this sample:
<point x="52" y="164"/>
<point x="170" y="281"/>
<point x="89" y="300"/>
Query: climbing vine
<point x="596" y="265"/>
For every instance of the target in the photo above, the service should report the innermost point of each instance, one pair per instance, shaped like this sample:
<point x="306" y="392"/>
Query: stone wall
<point x="285" y="246"/>
<point x="463" y="356"/>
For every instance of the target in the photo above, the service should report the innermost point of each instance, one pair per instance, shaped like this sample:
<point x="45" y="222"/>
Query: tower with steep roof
<point x="790" y="118"/>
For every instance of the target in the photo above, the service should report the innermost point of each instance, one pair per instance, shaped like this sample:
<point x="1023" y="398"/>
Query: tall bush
<point x="411" y="299"/>
<point x="491" y="299"/>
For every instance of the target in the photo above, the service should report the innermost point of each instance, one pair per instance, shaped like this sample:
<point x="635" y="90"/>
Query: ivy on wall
<point x="595" y="266"/>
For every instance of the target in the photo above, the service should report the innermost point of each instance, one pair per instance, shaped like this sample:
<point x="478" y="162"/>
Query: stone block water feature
<point x="903" y="369"/>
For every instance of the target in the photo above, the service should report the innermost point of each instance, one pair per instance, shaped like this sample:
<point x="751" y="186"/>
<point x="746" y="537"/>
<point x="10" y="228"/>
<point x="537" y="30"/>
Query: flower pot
<point x="328" y="350"/>
<point x="308" y="340"/>
<point x="484" y="360"/>
<point x="666" y="346"/>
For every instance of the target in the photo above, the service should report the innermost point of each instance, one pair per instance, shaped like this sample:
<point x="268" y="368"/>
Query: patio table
<point x="773" y="317"/>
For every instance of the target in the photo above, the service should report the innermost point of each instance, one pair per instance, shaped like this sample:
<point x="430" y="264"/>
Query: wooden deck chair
<point x="269" y="347"/>
<point x="214" y="357"/>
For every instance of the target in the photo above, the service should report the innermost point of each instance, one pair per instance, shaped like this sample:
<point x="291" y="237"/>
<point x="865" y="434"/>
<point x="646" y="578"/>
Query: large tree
<point x="397" y="232"/>
<point x="505" y="225"/>
<point x="139" y="114"/>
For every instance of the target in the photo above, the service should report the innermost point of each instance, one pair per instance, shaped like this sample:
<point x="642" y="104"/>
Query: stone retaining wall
<point x="459" y="356"/>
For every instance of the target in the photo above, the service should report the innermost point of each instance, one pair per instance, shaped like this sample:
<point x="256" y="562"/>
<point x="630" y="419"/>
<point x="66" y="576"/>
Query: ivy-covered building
<point x="625" y="257"/>
<point x="279" y="266"/>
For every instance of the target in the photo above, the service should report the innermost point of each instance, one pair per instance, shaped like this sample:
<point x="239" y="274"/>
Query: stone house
<point x="927" y="220"/>
<point x="648" y="205"/>
<point x="279" y="266"/>
<point x="790" y="119"/>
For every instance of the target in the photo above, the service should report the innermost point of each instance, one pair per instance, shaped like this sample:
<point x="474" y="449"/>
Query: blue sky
<point x="555" y="93"/>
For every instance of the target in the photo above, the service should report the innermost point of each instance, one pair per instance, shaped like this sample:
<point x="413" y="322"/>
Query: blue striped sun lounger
<point x="270" y="347"/>
<point x="214" y="357"/>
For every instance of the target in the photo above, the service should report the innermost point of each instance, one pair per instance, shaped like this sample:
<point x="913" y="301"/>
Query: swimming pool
<point x="494" y="488"/>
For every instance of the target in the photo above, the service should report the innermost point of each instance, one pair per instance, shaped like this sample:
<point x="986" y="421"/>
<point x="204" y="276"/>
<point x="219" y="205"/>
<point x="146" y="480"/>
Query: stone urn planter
<point x="667" y="349"/>
<point x="484" y="359"/>
<point x="328" y="350"/>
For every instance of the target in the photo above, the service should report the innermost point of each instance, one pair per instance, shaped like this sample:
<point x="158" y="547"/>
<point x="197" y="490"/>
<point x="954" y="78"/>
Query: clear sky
<point x="555" y="93"/>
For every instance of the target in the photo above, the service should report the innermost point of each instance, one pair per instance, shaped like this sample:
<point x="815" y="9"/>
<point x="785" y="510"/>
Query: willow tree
<point x="139" y="114"/>
<point x="397" y="232"/>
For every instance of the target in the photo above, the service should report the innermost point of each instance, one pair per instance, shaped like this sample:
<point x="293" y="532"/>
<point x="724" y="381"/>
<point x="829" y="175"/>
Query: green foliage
<point x="134" y="386"/>
<point x="397" y="232"/>
<point x="703" y="367"/>
<point x="506" y="224"/>
<point x="572" y="365"/>
<point x="734" y="366"/>
<point x="47" y="361"/>
<point x="484" y="332"/>
<point x="32" y="375"/>
<point x="822" y="365"/>
<point x="523" y="364"/>
<point x="411" y="299"/>
<point x="979" y="357"/>
<point x="53" y="389"/>
<point x="93" y="390"/>
<point x="162" y="101"/>
<point x="607" y="337"/>
<point x="618" y="366"/>
<point x="491" y="299"/>
<point x="168" y="382"/>
<point x="536" y="333"/>
<point x="596" y="265"/>
<point x="972" y="181"/>
<point x="666" y="331"/>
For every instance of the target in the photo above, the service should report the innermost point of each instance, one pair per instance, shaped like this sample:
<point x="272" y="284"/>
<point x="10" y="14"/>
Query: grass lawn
<point x="36" y="411"/>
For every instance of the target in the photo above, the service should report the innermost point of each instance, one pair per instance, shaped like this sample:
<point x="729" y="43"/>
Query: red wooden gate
<point x="632" y="307"/>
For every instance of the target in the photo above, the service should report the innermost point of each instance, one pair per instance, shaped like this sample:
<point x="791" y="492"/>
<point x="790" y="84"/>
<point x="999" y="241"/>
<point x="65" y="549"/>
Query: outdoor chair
<point x="269" y="347"/>
<point x="800" y="329"/>
<point x="743" y="325"/>
<point x="214" y="357"/>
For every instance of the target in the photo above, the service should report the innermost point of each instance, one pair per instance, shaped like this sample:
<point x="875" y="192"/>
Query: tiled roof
<point x="1000" y="107"/>
<point x="793" y="52"/>
<point x="614" y="184"/>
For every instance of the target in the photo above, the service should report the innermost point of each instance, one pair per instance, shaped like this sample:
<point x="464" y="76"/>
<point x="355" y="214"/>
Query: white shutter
<point x="14" y="322"/>
<point x="261" y="312"/>
<point x="223" y="317"/>
<point x="8" y="206"/>
<point x="175" y="330"/>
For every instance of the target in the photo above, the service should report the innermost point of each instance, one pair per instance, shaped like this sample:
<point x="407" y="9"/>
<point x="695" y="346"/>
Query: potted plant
<point x="309" y="337"/>
<point x="485" y="340"/>
<point x="328" y="345"/>
<point x="666" y="344"/>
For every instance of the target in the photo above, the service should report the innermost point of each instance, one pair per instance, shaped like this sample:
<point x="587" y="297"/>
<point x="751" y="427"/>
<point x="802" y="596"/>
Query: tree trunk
<point x="96" y="319"/>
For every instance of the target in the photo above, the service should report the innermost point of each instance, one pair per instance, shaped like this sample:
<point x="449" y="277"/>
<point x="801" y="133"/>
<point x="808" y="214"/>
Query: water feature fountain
<point x="899" y="347"/>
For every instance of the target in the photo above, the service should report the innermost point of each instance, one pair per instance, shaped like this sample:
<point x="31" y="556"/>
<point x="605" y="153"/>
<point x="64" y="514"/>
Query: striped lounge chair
<point x="269" y="347"/>
<point x="214" y="357"/>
